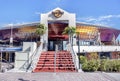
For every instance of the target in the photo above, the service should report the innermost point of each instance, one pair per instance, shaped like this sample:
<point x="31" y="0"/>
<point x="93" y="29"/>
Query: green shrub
<point x="85" y="66"/>
<point x="108" y="66"/>
<point x="91" y="65"/>
<point x="100" y="65"/>
<point x="113" y="66"/>
<point x="83" y="59"/>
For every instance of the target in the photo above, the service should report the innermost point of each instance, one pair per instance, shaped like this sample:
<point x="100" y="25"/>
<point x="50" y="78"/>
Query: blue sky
<point x="101" y="12"/>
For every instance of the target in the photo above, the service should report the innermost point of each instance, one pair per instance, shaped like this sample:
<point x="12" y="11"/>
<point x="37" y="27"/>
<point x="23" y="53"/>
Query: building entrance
<point x="61" y="45"/>
<point x="55" y="36"/>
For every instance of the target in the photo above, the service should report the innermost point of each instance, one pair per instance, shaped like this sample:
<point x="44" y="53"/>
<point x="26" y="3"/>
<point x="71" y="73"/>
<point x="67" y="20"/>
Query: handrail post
<point x="56" y="48"/>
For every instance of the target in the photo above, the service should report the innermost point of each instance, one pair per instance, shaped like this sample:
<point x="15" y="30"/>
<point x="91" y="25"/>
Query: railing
<point x="26" y="65"/>
<point x="8" y="67"/>
<point x="74" y="57"/>
<point x="35" y="58"/>
<point x="31" y="62"/>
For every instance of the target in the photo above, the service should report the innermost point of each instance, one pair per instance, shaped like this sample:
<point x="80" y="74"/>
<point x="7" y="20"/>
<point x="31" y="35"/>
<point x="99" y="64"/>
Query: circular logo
<point x="57" y="13"/>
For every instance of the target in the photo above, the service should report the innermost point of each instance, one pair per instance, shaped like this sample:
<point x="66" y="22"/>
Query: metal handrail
<point x="10" y="66"/>
<point x="26" y="65"/>
<point x="74" y="57"/>
<point x="35" y="58"/>
<point x="29" y="63"/>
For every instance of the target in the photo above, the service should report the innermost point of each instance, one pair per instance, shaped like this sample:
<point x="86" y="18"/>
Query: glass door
<point x="52" y="44"/>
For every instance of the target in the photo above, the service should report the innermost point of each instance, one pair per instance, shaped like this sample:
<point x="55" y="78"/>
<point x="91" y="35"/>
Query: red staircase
<point x="46" y="63"/>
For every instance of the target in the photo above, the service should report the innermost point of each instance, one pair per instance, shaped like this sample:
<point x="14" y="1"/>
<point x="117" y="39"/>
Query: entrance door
<point x="50" y="45"/>
<point x="55" y="36"/>
<point x="53" y="43"/>
<point x="60" y="45"/>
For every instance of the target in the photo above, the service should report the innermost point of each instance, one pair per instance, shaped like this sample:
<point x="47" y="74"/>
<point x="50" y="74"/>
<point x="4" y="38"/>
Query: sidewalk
<point x="114" y="75"/>
<point x="57" y="77"/>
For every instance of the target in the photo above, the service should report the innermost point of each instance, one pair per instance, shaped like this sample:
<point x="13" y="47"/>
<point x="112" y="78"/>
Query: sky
<point x="100" y="12"/>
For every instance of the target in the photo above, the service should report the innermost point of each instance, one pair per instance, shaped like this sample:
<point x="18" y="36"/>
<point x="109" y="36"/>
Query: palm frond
<point x="41" y="29"/>
<point x="69" y="30"/>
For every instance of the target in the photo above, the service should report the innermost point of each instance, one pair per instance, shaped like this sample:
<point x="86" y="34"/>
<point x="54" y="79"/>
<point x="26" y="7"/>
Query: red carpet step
<point x="47" y="61"/>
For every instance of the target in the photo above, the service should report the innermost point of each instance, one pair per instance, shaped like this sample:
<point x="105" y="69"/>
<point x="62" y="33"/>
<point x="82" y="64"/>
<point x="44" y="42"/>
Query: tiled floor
<point x="56" y="77"/>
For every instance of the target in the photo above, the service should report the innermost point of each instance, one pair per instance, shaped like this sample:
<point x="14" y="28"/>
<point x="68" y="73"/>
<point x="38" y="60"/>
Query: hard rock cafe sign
<point x="57" y="13"/>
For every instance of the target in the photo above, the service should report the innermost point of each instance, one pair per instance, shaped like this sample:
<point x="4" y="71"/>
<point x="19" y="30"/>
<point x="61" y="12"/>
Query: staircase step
<point x="64" y="62"/>
<point x="56" y="59"/>
<point x="57" y="68"/>
<point x="42" y="55"/>
<point x="54" y="55"/>
<point x="52" y="62"/>
<point x="53" y="70"/>
<point x="57" y="65"/>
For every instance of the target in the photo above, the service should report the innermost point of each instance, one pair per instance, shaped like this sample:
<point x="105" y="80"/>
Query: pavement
<point x="114" y="75"/>
<point x="16" y="75"/>
<point x="49" y="76"/>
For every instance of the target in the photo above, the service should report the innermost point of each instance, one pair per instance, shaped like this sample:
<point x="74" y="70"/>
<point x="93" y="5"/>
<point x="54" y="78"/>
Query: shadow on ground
<point x="20" y="79"/>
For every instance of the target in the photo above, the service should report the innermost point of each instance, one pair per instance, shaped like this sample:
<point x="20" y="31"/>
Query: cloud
<point x="88" y="19"/>
<point x="101" y="20"/>
<point x="107" y="17"/>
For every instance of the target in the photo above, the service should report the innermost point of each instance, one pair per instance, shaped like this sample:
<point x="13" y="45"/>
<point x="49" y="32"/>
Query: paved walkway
<point x="114" y="75"/>
<point x="56" y="77"/>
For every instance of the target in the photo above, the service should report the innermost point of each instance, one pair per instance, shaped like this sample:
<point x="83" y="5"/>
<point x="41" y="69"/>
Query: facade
<point x="93" y="39"/>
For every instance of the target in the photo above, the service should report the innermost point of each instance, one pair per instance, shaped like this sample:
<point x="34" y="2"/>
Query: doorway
<point x="61" y="45"/>
<point x="55" y="36"/>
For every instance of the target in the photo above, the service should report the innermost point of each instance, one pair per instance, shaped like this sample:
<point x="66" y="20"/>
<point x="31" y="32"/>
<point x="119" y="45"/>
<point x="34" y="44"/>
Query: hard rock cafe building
<point x="92" y="38"/>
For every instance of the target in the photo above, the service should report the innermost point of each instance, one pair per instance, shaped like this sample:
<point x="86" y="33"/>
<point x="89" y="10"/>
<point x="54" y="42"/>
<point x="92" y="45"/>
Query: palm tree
<point x="41" y="30"/>
<point x="70" y="31"/>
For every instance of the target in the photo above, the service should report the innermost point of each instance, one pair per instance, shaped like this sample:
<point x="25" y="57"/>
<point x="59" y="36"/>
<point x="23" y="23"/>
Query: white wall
<point x="96" y="48"/>
<point x="29" y="46"/>
<point x="70" y="17"/>
<point x="23" y="56"/>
